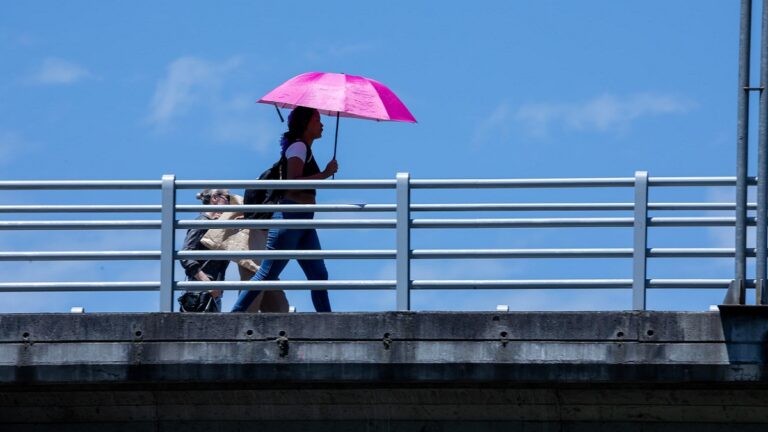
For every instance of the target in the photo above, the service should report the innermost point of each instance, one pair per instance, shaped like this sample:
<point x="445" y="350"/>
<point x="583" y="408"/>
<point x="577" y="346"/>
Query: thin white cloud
<point x="605" y="113"/>
<point x="257" y="135"/>
<point x="497" y="124"/>
<point x="56" y="71"/>
<point x="193" y="84"/>
<point x="233" y="122"/>
<point x="189" y="81"/>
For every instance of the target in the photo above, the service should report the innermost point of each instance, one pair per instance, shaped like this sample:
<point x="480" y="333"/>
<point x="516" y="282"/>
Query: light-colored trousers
<point x="267" y="300"/>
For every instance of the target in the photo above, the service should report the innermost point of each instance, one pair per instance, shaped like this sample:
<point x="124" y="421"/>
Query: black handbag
<point x="200" y="301"/>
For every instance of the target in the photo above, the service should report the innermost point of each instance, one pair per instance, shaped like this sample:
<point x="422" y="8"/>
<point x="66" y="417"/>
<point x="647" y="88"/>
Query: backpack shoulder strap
<point x="283" y="167"/>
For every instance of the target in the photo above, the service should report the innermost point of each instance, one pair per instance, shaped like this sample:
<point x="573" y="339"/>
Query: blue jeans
<point x="290" y="239"/>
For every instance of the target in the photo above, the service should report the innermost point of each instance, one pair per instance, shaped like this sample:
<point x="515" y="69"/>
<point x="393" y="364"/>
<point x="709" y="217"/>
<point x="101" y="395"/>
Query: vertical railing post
<point x="742" y="150"/>
<point x="403" y="255"/>
<point x="639" y="255"/>
<point x="167" y="242"/>
<point x="762" y="168"/>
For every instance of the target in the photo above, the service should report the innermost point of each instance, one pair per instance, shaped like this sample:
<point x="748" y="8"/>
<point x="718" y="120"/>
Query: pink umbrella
<point x="340" y="95"/>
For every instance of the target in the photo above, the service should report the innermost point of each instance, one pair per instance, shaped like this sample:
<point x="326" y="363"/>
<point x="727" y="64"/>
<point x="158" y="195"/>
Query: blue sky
<point x="134" y="90"/>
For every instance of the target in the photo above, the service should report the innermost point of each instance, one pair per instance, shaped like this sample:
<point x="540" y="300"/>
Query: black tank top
<point x="310" y="168"/>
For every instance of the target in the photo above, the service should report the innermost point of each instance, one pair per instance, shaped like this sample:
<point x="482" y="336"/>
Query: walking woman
<point x="206" y="270"/>
<point x="304" y="127"/>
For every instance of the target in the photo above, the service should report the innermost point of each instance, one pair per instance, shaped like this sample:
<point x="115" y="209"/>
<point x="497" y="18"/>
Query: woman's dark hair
<point x="298" y="120"/>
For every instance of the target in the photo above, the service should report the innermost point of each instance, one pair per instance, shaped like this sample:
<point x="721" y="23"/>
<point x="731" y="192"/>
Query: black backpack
<point x="265" y="196"/>
<point x="201" y="301"/>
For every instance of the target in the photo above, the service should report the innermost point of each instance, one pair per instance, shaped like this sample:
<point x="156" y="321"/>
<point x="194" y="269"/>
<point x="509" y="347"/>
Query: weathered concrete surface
<point x="384" y="371"/>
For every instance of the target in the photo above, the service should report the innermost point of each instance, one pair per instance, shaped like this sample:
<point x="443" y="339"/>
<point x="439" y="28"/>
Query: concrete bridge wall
<point x="386" y="371"/>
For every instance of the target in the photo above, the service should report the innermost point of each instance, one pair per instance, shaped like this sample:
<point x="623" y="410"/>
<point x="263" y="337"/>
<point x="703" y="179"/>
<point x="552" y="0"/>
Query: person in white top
<point x="304" y="127"/>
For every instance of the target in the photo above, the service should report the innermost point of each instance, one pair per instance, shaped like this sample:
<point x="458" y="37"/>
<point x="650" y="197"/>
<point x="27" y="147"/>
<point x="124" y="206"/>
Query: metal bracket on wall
<point x="736" y="293"/>
<point x="761" y="296"/>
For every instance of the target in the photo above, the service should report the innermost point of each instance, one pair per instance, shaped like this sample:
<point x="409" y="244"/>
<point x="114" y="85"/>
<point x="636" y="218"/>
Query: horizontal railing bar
<point x="80" y="184"/>
<point x="459" y="284"/>
<point x="287" y="254"/>
<point x="365" y="184"/>
<point x="456" y="183"/>
<point x="373" y="223"/>
<point x="367" y="285"/>
<point x="289" y="208"/>
<point x="694" y="283"/>
<point x="697" y="181"/>
<point x="78" y="286"/>
<point x="697" y="206"/>
<point x="455" y="207"/>
<point x="287" y="223"/>
<point x="574" y="222"/>
<point x="572" y="284"/>
<point x="696" y="252"/>
<point x="523" y="284"/>
<point x="575" y="253"/>
<point x="574" y="206"/>
<point x="523" y="223"/>
<point x="80" y="209"/>
<point x="372" y="254"/>
<point x="416" y="223"/>
<point x="286" y="184"/>
<point x="523" y="183"/>
<point x="521" y="253"/>
<point x="79" y="256"/>
<point x="367" y="207"/>
<point x="288" y="285"/>
<point x="574" y="182"/>
<point x="415" y="254"/>
<point x="523" y="207"/>
<point x="696" y="221"/>
<point x="76" y="225"/>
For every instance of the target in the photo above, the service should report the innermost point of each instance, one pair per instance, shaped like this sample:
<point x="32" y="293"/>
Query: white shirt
<point x="297" y="149"/>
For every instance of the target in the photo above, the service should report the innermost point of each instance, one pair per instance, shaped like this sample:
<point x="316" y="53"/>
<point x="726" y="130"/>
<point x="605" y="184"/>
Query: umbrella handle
<point x="279" y="114"/>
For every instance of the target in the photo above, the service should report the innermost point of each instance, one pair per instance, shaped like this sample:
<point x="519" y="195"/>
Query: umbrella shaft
<point x="336" y="139"/>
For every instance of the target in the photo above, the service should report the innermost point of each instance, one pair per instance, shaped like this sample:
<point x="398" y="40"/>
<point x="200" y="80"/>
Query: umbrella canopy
<point x="340" y="95"/>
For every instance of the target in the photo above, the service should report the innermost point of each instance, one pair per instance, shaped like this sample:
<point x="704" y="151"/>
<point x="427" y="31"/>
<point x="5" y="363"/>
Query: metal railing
<point x="404" y="223"/>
